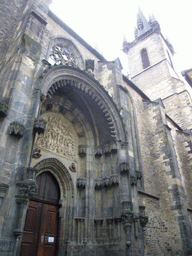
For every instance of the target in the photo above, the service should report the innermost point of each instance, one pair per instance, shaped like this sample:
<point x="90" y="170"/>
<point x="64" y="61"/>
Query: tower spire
<point x="143" y="25"/>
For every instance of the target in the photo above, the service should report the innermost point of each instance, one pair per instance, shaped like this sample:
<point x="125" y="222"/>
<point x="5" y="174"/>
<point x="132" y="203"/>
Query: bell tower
<point x="151" y="68"/>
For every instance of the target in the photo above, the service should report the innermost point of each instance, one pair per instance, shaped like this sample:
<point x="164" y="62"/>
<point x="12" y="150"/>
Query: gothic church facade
<point x="92" y="163"/>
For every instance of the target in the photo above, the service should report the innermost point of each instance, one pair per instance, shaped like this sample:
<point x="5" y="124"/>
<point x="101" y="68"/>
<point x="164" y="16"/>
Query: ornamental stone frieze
<point x="107" y="181"/>
<point x="110" y="148"/>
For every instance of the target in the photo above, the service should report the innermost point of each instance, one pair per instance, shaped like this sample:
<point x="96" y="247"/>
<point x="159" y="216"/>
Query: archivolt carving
<point x="59" y="136"/>
<point x="62" y="76"/>
<point x="60" y="172"/>
<point x="86" y="88"/>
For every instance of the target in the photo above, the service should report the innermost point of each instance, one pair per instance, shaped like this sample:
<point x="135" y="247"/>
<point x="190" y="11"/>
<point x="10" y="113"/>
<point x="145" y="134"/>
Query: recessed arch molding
<point x="61" y="76"/>
<point x="60" y="172"/>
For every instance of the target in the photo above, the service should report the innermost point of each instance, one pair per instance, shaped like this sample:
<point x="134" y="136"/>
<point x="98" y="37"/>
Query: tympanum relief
<point x="59" y="136"/>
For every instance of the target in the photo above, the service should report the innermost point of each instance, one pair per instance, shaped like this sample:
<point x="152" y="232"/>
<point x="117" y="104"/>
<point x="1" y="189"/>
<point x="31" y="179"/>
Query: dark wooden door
<point x="40" y="230"/>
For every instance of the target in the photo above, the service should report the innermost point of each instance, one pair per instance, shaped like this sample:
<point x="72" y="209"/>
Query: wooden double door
<point x="41" y="225"/>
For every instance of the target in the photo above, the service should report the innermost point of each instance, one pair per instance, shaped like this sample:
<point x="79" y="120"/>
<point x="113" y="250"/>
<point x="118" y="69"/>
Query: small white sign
<point x="51" y="239"/>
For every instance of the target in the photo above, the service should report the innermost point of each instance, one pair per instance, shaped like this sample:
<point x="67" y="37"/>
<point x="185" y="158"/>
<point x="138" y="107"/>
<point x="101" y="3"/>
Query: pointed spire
<point x="142" y="24"/>
<point x="124" y="38"/>
<point x="152" y="18"/>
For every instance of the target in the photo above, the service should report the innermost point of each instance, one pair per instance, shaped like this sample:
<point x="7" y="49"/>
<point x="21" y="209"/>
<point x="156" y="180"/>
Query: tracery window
<point x="145" y="58"/>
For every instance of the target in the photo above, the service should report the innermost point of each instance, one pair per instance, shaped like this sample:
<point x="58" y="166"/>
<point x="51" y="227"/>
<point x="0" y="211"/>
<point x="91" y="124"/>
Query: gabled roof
<point x="75" y="35"/>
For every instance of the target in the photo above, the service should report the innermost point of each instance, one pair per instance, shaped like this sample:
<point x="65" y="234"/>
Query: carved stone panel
<point x="59" y="136"/>
<point x="64" y="52"/>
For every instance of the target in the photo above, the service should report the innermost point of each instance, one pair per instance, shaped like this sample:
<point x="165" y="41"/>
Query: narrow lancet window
<point x="145" y="58"/>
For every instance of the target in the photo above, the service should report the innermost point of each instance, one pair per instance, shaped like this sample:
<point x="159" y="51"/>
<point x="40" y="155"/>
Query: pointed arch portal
<point x="40" y="230"/>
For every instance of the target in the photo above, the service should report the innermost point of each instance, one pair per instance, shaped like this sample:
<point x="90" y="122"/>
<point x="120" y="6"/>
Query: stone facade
<point x="119" y="150"/>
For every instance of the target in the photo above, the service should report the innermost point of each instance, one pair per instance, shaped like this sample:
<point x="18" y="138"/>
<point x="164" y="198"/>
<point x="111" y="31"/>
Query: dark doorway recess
<point x="41" y="225"/>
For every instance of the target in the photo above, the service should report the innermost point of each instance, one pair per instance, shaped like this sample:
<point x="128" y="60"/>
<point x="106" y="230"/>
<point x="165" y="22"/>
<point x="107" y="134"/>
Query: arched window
<point x="145" y="58"/>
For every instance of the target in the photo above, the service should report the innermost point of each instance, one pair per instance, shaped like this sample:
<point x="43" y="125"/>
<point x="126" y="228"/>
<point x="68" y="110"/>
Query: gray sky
<point x="103" y="23"/>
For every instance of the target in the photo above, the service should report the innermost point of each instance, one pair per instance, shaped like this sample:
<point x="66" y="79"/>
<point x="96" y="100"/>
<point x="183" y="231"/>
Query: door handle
<point x="42" y="239"/>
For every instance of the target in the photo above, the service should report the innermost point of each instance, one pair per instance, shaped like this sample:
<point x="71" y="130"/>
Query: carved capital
<point x="39" y="125"/>
<point x="113" y="147"/>
<point x="109" y="221"/>
<point x="3" y="109"/>
<point x="26" y="190"/>
<point x="118" y="219"/>
<point x="114" y="179"/>
<point x="16" y="129"/>
<point x="98" y="222"/>
<point x="82" y="150"/>
<point x="81" y="182"/>
<point x="107" y="149"/>
<point x="133" y="180"/>
<point x="107" y="181"/>
<point x="98" y="152"/>
<point x="26" y="183"/>
<point x="126" y="206"/>
<point x="127" y="217"/>
<point x="143" y="220"/>
<point x="124" y="167"/>
<point x="80" y="219"/>
<point x="99" y="183"/>
<point x="139" y="174"/>
<point x="141" y="210"/>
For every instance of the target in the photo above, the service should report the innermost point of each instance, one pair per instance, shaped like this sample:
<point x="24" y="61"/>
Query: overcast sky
<point x="103" y="23"/>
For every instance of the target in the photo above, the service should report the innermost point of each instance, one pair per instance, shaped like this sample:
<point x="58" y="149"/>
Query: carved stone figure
<point x="72" y="167"/>
<point x="36" y="153"/>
